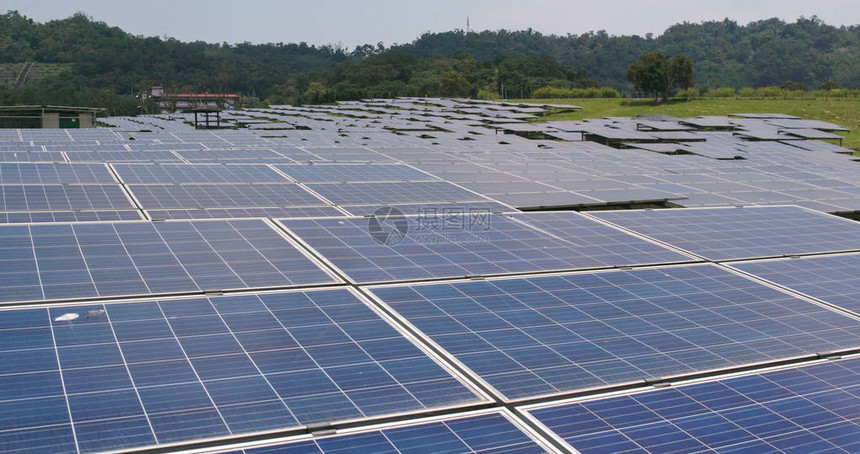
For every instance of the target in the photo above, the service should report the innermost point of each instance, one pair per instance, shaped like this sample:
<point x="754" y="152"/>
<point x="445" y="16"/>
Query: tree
<point x="661" y="75"/>
<point x="454" y="84"/>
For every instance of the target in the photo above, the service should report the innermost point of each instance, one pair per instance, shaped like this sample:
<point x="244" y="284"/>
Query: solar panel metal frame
<point x="285" y="443"/>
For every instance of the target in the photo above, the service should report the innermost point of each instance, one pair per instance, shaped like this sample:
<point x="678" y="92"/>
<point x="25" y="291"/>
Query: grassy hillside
<point x="843" y="111"/>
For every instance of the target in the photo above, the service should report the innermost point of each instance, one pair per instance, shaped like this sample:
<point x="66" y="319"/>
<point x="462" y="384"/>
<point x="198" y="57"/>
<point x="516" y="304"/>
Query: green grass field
<point x="843" y="111"/>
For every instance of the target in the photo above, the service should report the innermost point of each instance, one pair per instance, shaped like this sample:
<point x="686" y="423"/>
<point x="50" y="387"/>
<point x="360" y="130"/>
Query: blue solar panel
<point x="831" y="278"/>
<point x="433" y="209"/>
<point x="72" y="261"/>
<point x="227" y="213"/>
<point x="543" y="335"/>
<point x="493" y="432"/>
<point x="25" y="173"/>
<point x="724" y="234"/>
<point x="68" y="216"/>
<point x="37" y="156"/>
<point x="148" y="373"/>
<point x="233" y="156"/>
<point x="193" y="196"/>
<point x="802" y="409"/>
<point x="457" y="243"/>
<point x="199" y="173"/>
<point x="345" y="172"/>
<point x="122" y="156"/>
<point x="61" y="197"/>
<point x="393" y="193"/>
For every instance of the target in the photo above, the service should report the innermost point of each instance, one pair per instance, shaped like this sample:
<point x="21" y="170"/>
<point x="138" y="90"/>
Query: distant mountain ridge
<point x="762" y="53"/>
<point x="103" y="65"/>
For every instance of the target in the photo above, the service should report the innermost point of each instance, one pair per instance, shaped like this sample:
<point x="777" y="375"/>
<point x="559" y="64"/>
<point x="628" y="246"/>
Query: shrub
<point x="725" y="92"/>
<point x="688" y="94"/>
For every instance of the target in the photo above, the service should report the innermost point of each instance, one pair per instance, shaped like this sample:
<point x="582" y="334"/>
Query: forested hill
<point x="763" y="53"/>
<point x="78" y="61"/>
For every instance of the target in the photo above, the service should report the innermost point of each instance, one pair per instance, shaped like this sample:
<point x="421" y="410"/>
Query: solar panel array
<point x="362" y="277"/>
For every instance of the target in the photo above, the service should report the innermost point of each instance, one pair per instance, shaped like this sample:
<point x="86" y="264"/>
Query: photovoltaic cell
<point x="72" y="261"/>
<point x="802" y="409"/>
<point x="69" y="216"/>
<point x="142" y="374"/>
<point x="261" y="212"/>
<point x="199" y="173"/>
<point x="830" y="278"/>
<point x="27" y="173"/>
<point x="433" y="209"/>
<point x="393" y="193"/>
<point x="61" y="197"/>
<point x="543" y="335"/>
<point x="196" y="196"/>
<point x="600" y="241"/>
<point x="441" y="245"/>
<point x="322" y="173"/>
<point x="492" y="432"/>
<point x="750" y="232"/>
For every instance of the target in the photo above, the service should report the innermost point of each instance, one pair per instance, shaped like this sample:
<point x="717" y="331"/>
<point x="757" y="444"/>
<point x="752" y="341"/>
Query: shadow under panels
<point x="46" y="262"/>
<point x="436" y="246"/>
<point x="157" y="373"/>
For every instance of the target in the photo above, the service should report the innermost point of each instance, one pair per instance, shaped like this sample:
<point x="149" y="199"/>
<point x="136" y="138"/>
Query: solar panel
<point x="750" y="232"/>
<point x="260" y="212"/>
<point x="198" y="196"/>
<point x="433" y="209"/>
<point x="62" y="197"/>
<point x="831" y="278"/>
<point x="142" y="374"/>
<point x="27" y="156"/>
<point x="546" y="335"/>
<point x="487" y="432"/>
<point x="799" y="409"/>
<point x="199" y="173"/>
<point x="87" y="260"/>
<point x="34" y="173"/>
<point x="122" y="156"/>
<point x="69" y="216"/>
<point x="446" y="244"/>
<point x="233" y="156"/>
<point x="354" y="173"/>
<point x="393" y="193"/>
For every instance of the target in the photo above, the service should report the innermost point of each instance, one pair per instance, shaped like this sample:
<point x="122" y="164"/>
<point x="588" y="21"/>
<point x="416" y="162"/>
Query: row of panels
<point x="45" y="262"/>
<point x="177" y="370"/>
<point x="807" y="409"/>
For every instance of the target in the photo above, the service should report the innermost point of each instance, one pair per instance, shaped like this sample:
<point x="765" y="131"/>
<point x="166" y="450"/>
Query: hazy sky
<point x="352" y="22"/>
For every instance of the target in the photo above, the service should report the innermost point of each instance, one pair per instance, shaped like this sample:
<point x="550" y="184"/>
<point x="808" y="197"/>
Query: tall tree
<point x="661" y="75"/>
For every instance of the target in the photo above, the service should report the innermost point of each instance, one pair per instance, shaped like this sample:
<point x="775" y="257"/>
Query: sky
<point x="347" y="23"/>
